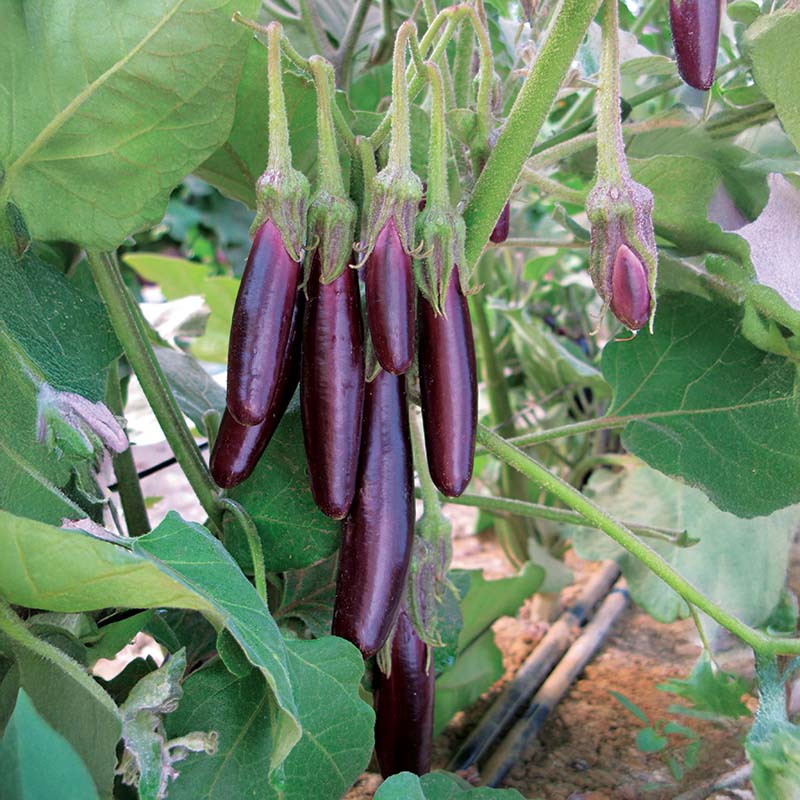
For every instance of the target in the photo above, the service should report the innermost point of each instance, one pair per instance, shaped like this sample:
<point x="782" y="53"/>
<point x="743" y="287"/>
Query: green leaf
<point x="109" y="107"/>
<point x="438" y="786"/>
<point x="117" y="635"/>
<point x="178" y="565"/>
<point x="236" y="165"/>
<point x="648" y="741"/>
<point x="37" y="762"/>
<point x="738" y="563"/>
<point x="67" y="697"/>
<point x="337" y="727"/>
<point x="293" y="531"/>
<point x="307" y="598"/>
<point x="631" y="706"/>
<point x="710" y="690"/>
<point x="706" y="405"/>
<point x="771" y="46"/>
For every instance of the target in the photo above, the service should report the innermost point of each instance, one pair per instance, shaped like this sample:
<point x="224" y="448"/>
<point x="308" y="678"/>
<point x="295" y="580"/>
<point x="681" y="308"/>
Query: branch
<point x="343" y="59"/>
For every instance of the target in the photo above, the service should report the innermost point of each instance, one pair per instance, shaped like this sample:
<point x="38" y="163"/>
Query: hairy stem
<point x="330" y="178"/>
<point x="245" y="522"/>
<point x="131" y="332"/>
<point x="343" y="60"/>
<point x="315" y="29"/>
<point x="128" y="486"/>
<point x="496" y="182"/>
<point x="542" y="477"/>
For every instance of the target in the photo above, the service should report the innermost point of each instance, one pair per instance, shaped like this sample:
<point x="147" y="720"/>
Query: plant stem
<point x="523" y="242"/>
<point x="400" y="142"/>
<point x="522" y="508"/>
<point x="343" y="60"/>
<point x="428" y="491"/>
<point x="315" y="29"/>
<point x="541" y="476"/>
<point x="437" y="195"/>
<point x="330" y="178"/>
<point x="548" y="186"/>
<point x="128" y="486"/>
<point x="496" y="182"/>
<point x="462" y="66"/>
<point x="280" y="154"/>
<point x="611" y="163"/>
<point x="645" y="15"/>
<point x="131" y="332"/>
<point x="573" y="429"/>
<point x="248" y="527"/>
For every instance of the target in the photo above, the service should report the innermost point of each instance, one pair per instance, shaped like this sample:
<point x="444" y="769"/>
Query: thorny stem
<point x="522" y="508"/>
<point x="400" y="143"/>
<point x="129" y="487"/>
<point x="248" y="527"/>
<point x="762" y="643"/>
<point x="496" y="182"/>
<point x="611" y="163"/>
<point x="130" y="330"/>
<point x="437" y="194"/>
<point x="330" y="179"/>
<point x="280" y="154"/>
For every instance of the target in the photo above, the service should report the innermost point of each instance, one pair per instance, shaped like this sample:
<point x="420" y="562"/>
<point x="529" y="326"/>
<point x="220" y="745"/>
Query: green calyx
<point x="442" y="233"/>
<point x="331" y="225"/>
<point x="396" y="191"/>
<point x="281" y="192"/>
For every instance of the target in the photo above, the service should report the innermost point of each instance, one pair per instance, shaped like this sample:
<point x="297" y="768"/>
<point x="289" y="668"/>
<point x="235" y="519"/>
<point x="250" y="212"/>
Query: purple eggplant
<point x="695" y="35"/>
<point x="404" y="705"/>
<point x="500" y="231"/>
<point x="378" y="531"/>
<point x="262" y="320"/>
<point x="238" y="447"/>
<point x="630" y="290"/>
<point x="332" y="388"/>
<point x="449" y="390"/>
<point x="389" y="291"/>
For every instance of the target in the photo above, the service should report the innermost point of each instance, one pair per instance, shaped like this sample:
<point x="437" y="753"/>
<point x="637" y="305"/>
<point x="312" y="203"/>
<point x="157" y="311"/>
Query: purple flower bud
<point x="630" y="293"/>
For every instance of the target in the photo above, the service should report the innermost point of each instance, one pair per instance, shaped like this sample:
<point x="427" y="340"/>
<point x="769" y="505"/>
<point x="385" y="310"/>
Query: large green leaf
<point x="107" y="106"/>
<point x="772" y="49"/>
<point x="178" y="565"/>
<point x="293" y="531"/>
<point x="64" y="694"/>
<point x="739" y="563"/>
<point x="236" y="164"/>
<point x="704" y="404"/>
<point x="49" y="332"/>
<point x="38" y="762"/>
<point x="337" y="728"/>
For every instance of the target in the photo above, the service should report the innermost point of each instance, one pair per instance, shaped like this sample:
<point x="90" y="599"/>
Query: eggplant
<point x="378" y="532"/>
<point x="389" y="293"/>
<point x="404" y="705"/>
<point x="332" y="388"/>
<point x="630" y="290"/>
<point x="448" y="389"/>
<point x="695" y="36"/>
<point x="500" y="231"/>
<point x="262" y="320"/>
<point x="238" y="448"/>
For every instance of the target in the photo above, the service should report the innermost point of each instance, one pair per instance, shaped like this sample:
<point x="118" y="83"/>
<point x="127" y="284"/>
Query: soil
<point x="587" y="749"/>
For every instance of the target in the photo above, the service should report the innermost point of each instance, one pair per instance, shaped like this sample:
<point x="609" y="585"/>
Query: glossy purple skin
<point x="332" y="388"/>
<point x="449" y="389"/>
<point x="500" y="231"/>
<point x="695" y="36"/>
<point x="404" y="705"/>
<point x="378" y="532"/>
<point x="239" y="447"/>
<point x="630" y="292"/>
<point x="262" y="319"/>
<point x="389" y="291"/>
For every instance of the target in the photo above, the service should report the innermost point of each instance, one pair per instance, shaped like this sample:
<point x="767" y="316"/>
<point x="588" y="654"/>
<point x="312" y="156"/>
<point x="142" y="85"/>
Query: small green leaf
<point x="648" y="741"/>
<point x="307" y="598"/>
<point x="37" y="762"/>
<point x="631" y="706"/>
<point x="438" y="786"/>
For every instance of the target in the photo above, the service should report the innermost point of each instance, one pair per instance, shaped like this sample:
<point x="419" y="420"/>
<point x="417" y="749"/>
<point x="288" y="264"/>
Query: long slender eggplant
<point x="238" y="448"/>
<point x="389" y="292"/>
<point x="448" y="388"/>
<point x="378" y="532"/>
<point x="262" y="319"/>
<point x="332" y="388"/>
<point x="695" y="35"/>
<point x="404" y="705"/>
